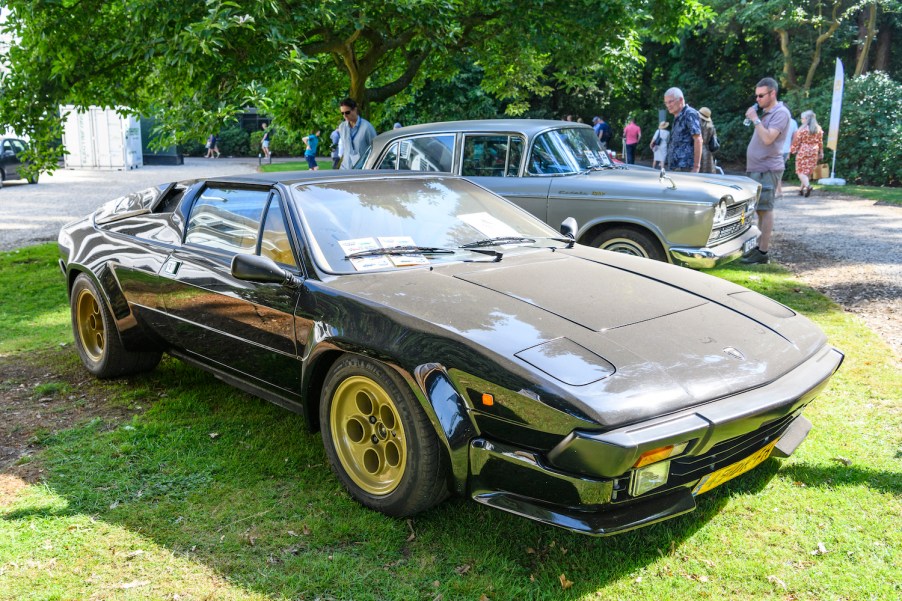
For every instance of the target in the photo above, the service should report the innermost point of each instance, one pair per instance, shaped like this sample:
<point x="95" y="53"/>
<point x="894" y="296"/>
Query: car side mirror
<point x="263" y="270"/>
<point x="569" y="227"/>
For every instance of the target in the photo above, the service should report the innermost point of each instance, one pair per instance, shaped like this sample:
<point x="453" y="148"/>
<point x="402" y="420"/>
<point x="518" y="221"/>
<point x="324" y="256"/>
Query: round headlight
<point x="720" y="212"/>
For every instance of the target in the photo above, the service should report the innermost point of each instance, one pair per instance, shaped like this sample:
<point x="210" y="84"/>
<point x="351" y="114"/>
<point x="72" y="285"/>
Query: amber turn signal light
<point x="659" y="454"/>
<point x="487" y="399"/>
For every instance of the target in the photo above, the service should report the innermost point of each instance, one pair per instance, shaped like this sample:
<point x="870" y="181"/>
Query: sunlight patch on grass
<point x="50" y="551"/>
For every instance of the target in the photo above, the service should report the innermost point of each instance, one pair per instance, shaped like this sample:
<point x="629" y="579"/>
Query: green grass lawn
<point x="881" y="194"/>
<point x="324" y="163"/>
<point x="198" y="491"/>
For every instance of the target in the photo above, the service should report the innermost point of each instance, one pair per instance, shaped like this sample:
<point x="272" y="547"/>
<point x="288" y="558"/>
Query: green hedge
<point x="285" y="142"/>
<point x="233" y="141"/>
<point x="868" y="149"/>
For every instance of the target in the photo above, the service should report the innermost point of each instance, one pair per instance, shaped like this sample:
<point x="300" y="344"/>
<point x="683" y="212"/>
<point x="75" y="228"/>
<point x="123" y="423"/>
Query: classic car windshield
<point x="351" y="224"/>
<point x="566" y="151"/>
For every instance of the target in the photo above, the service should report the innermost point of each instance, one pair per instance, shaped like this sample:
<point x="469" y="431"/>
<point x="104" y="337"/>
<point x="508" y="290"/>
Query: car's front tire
<point x="379" y="441"/>
<point x="629" y="241"/>
<point x="96" y="338"/>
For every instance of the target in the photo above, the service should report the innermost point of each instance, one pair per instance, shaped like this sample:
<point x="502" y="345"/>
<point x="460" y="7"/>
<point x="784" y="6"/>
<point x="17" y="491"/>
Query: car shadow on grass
<point x="230" y="481"/>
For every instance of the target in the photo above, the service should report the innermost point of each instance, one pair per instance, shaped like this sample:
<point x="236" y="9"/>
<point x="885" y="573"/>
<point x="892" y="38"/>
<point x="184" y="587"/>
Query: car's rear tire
<point x="96" y="338"/>
<point x="629" y="241"/>
<point x="33" y="179"/>
<point x="378" y="439"/>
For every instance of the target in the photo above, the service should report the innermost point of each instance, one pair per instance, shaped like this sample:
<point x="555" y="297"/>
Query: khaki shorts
<point x="770" y="183"/>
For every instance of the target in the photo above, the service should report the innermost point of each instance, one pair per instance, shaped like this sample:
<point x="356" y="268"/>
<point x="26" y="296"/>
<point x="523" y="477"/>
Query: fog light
<point x="649" y="478"/>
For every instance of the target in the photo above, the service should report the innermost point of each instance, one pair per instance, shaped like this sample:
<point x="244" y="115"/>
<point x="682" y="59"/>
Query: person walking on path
<point x="312" y="142"/>
<point x="708" y="132"/>
<point x="808" y="146"/>
<point x="335" y="138"/>
<point x="764" y="160"/>
<point x="790" y="134"/>
<point x="658" y="145"/>
<point x="602" y="131"/>
<point x="212" y="147"/>
<point x="684" y="152"/>
<point x="631" y="133"/>
<point x="264" y="143"/>
<point x="356" y="134"/>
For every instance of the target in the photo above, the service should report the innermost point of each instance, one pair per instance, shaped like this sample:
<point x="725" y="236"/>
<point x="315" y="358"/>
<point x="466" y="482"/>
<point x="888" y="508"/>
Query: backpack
<point x="713" y="144"/>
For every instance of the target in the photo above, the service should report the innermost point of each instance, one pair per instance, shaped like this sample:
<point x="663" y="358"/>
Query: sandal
<point x="807" y="191"/>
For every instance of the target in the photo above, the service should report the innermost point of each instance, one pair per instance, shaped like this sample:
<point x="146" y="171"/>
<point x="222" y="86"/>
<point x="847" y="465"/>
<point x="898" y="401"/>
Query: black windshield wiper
<point x="401" y="250"/>
<point x="419" y="250"/>
<point x="497" y="241"/>
<point x="569" y="241"/>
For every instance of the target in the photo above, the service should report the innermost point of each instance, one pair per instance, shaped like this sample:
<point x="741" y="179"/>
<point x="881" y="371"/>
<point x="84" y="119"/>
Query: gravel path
<point x="848" y="248"/>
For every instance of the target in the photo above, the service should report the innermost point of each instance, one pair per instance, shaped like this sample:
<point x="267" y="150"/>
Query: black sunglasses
<point x="346" y="112"/>
<point x="763" y="95"/>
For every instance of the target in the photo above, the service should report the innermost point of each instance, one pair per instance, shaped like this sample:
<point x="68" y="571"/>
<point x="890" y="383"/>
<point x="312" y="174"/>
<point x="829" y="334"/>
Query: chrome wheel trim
<point x="625" y="246"/>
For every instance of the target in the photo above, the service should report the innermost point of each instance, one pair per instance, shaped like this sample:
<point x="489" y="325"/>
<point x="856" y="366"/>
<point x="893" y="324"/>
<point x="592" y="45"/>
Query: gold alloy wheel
<point x="89" y="323"/>
<point x="368" y="435"/>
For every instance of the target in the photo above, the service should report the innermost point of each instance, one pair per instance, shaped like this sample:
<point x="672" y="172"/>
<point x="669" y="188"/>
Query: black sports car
<point x="445" y="341"/>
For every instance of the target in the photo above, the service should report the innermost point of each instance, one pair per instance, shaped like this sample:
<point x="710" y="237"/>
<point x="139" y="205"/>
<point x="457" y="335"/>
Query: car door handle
<point x="171" y="267"/>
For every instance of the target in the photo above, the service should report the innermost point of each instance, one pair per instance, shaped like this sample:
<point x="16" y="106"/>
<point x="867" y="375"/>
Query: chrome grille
<point x="734" y="225"/>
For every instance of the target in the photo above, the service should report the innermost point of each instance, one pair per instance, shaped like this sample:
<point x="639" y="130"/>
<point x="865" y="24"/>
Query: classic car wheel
<point x="630" y="242"/>
<point x="33" y="179"/>
<point x="96" y="337"/>
<point x="379" y="441"/>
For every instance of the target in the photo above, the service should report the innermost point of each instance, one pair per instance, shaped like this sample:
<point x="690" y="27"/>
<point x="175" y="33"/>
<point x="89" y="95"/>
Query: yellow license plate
<point x="731" y="471"/>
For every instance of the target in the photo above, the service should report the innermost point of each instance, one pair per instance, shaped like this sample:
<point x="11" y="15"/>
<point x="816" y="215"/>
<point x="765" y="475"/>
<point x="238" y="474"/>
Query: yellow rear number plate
<point x="731" y="471"/>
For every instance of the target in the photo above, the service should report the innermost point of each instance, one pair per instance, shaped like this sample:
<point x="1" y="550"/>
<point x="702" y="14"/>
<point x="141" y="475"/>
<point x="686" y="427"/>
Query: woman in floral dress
<point x="808" y="146"/>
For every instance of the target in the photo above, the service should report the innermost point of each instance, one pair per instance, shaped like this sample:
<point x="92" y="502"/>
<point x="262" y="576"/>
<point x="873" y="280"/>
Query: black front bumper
<point x="574" y="487"/>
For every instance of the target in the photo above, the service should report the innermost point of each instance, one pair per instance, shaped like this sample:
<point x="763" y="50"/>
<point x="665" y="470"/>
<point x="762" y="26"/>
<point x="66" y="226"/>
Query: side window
<point x="18" y="146"/>
<point x="227" y="219"/>
<point x="391" y="158"/>
<point x="492" y="156"/>
<point x="7" y="146"/>
<point x="547" y="156"/>
<point x="515" y="153"/>
<point x="274" y="241"/>
<point x="426" y="153"/>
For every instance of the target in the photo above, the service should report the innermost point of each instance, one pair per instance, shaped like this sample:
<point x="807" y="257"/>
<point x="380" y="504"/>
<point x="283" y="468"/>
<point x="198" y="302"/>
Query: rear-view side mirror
<point x="569" y="227"/>
<point x="263" y="270"/>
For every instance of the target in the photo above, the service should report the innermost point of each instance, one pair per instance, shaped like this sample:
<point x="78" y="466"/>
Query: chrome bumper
<point x="708" y="258"/>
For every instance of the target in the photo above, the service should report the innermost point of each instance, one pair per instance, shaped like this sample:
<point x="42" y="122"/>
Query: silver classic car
<point x="556" y="169"/>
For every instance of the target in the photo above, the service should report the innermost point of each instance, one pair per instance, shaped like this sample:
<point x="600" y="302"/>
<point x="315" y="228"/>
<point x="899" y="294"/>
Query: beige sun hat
<point x="663" y="125"/>
<point x="705" y="113"/>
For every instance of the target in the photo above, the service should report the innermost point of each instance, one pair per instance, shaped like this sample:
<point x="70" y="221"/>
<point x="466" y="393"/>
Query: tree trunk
<point x="816" y="57"/>
<point x="789" y="69"/>
<point x="884" y="44"/>
<point x="864" y="50"/>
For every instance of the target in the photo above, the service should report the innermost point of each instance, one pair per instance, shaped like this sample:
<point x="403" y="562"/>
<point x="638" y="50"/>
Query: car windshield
<point x="402" y="222"/>
<point x="567" y="151"/>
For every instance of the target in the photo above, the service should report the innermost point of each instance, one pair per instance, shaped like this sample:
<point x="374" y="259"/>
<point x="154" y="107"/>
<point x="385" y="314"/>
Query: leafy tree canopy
<point x="197" y="63"/>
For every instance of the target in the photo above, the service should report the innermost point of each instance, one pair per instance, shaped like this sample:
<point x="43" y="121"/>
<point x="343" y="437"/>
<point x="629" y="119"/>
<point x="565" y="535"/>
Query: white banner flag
<point x="836" y="108"/>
